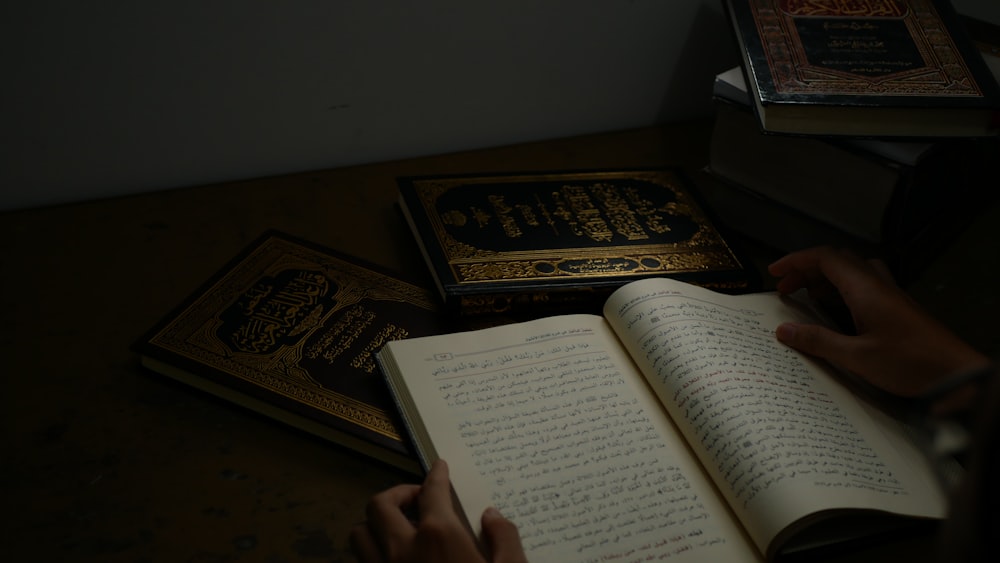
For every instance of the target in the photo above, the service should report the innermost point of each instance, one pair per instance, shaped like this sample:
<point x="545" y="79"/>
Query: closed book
<point x="893" y="68"/>
<point x="902" y="199"/>
<point x="289" y="329"/>
<point x="545" y="241"/>
<point x="774" y="224"/>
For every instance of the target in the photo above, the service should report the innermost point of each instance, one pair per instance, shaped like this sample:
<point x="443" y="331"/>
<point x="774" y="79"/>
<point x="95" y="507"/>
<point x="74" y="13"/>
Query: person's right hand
<point x="897" y="347"/>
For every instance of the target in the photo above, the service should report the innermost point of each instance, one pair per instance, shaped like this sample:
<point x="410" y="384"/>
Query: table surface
<point x="105" y="461"/>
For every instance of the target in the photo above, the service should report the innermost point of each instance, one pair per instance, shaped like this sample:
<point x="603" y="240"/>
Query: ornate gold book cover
<point x="509" y="242"/>
<point x="903" y="68"/>
<point x="290" y="329"/>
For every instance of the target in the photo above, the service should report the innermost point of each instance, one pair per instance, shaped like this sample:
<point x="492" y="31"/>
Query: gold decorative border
<point x="705" y="251"/>
<point x="944" y="72"/>
<point x="192" y="333"/>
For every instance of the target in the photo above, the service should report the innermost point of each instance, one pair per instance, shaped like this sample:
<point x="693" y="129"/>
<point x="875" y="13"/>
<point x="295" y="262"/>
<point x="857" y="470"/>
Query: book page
<point x="550" y="422"/>
<point x="781" y="437"/>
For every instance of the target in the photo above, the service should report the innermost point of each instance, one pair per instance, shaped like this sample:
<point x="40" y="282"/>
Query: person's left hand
<point x="438" y="534"/>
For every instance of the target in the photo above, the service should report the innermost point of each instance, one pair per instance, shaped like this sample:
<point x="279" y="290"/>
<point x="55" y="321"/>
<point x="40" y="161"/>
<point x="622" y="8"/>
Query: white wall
<point x="104" y="98"/>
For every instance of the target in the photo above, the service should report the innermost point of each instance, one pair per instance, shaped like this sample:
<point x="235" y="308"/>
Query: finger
<point x="801" y="269"/>
<point x="882" y="271"/>
<point x="830" y="272"/>
<point x="386" y="515"/>
<point x="817" y="263"/>
<point x="848" y="273"/>
<point x="435" y="494"/>
<point x="801" y="261"/>
<point x="816" y="341"/>
<point x="441" y="530"/>
<point x="502" y="537"/>
<point x="791" y="282"/>
<point x="391" y="503"/>
<point x="364" y="546"/>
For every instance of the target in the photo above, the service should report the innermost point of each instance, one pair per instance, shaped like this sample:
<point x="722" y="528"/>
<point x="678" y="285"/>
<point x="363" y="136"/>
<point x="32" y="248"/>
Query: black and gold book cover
<point x="544" y="241"/>
<point x="906" y="54"/>
<point x="290" y="329"/>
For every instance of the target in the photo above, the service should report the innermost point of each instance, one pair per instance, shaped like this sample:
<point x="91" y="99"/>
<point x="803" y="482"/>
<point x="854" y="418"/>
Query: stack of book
<point x="875" y="131"/>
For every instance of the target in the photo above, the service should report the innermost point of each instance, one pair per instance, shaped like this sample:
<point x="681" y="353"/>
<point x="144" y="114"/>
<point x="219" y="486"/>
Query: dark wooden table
<point x="103" y="461"/>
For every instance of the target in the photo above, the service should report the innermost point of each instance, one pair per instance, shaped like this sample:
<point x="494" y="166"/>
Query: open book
<point x="673" y="426"/>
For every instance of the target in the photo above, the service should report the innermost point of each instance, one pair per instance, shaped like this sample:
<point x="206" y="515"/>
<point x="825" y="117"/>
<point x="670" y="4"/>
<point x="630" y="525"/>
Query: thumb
<point x="816" y="341"/>
<point x="502" y="538"/>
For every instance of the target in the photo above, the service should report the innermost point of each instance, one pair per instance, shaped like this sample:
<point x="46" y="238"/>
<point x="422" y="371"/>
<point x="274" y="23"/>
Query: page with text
<point x="550" y="422"/>
<point x="782" y="438"/>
